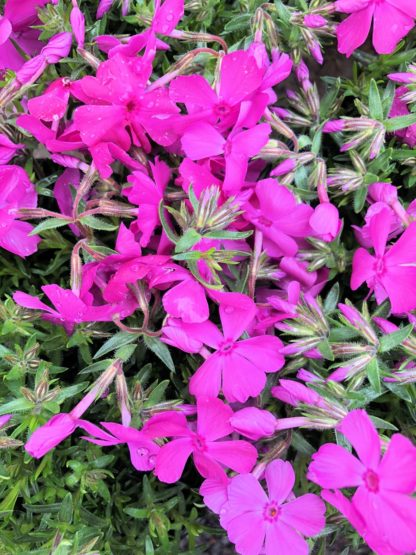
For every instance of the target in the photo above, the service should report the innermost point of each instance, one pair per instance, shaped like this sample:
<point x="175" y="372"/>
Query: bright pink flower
<point x="70" y="309"/>
<point x="400" y="108"/>
<point x="147" y="194"/>
<point x="209" y="454"/>
<point x="253" y="423"/>
<point x="16" y="28"/>
<point x="8" y="149"/>
<point x="16" y="191"/>
<point x="77" y="21"/>
<point x="4" y="419"/>
<point x="257" y="522"/>
<point x="384" y="484"/>
<point x="62" y="425"/>
<point x="325" y="221"/>
<point x="392" y="20"/>
<point x="202" y="140"/>
<point x="187" y="301"/>
<point x="314" y="21"/>
<point x="214" y="491"/>
<point x="143" y="451"/>
<point x="390" y="273"/>
<point x="237" y="367"/>
<point x="277" y="214"/>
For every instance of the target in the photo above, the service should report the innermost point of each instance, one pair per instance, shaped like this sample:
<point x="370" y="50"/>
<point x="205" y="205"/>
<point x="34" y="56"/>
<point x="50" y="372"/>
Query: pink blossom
<point x="202" y="140"/>
<point x="384" y="484"/>
<point x="215" y="492"/>
<point x="325" y="221"/>
<point x="4" y="419"/>
<point x="400" y="108"/>
<point x="16" y="192"/>
<point x="237" y="367"/>
<point x="277" y="214"/>
<point x="391" y="272"/>
<point x="147" y="194"/>
<point x="143" y="451"/>
<point x="314" y="21"/>
<point x="253" y="423"/>
<point x="201" y="440"/>
<point x="257" y="522"/>
<point x="187" y="301"/>
<point x="392" y="20"/>
<point x="78" y="26"/>
<point x="8" y="149"/>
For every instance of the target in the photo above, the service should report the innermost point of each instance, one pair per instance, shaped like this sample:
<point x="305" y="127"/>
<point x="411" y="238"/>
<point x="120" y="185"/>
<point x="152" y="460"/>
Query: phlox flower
<point x="391" y="272"/>
<point x="147" y="194"/>
<point x="384" y="484"/>
<point x="204" y="441"/>
<point x="16" y="192"/>
<point x="8" y="149"/>
<point x="400" y="108"/>
<point x="236" y="367"/>
<point x="274" y="522"/>
<point x="392" y="20"/>
<point x="142" y="449"/>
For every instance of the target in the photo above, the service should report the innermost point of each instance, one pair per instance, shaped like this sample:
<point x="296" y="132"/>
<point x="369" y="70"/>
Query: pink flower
<point x="147" y="194"/>
<point x="390" y="273"/>
<point x="62" y="425"/>
<point x="202" y="140"/>
<point x="257" y="522"/>
<point x="384" y="484"/>
<point x="77" y="21"/>
<point x="4" y="419"/>
<point x="143" y="451"/>
<point x="187" y="301"/>
<point x="253" y="423"/>
<point x="400" y="108"/>
<point x="325" y="221"/>
<point x="201" y="440"/>
<point x="8" y="149"/>
<point x="279" y="216"/>
<point x="392" y="20"/>
<point x="237" y="367"/>
<point x="16" y="192"/>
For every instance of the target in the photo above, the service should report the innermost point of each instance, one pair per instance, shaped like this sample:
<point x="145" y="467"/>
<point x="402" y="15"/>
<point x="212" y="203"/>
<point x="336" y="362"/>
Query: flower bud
<point x="253" y="423"/>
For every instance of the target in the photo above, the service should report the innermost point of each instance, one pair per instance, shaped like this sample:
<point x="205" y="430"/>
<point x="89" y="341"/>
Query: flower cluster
<point x="200" y="218"/>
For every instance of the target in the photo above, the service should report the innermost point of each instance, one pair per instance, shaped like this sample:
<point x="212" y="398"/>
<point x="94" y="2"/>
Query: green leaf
<point x="360" y="196"/>
<point x="383" y="424"/>
<point x="190" y="238"/>
<point x="115" y="342"/>
<point x="158" y="392"/>
<point x="324" y="348"/>
<point x="399" y="122"/>
<point x="160" y="350"/>
<point x="66" y="509"/>
<point x="226" y="234"/>
<point x="98" y="223"/>
<point x="15" y="406"/>
<point x="332" y="298"/>
<point x="374" y="102"/>
<point x="394" y="339"/>
<point x="373" y="374"/>
<point x="50" y="223"/>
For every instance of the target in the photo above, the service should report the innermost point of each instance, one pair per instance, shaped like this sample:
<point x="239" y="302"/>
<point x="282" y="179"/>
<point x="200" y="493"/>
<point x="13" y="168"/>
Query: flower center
<point x="198" y="443"/>
<point x="264" y="221"/>
<point x="371" y="480"/>
<point x="379" y="266"/>
<point x="222" y="109"/>
<point x="271" y="511"/>
<point x="227" y="346"/>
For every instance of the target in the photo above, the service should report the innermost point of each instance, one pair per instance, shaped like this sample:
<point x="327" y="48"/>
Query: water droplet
<point x="142" y="452"/>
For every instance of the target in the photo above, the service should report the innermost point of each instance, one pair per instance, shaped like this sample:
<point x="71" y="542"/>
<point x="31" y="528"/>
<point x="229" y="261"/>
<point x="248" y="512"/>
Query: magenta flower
<point x="257" y="522"/>
<point x="279" y="217"/>
<point x="71" y="309"/>
<point x="201" y="440"/>
<point x="237" y="367"/>
<point x="187" y="301"/>
<point x="147" y="194"/>
<point x="391" y="272"/>
<point x="384" y="484"/>
<point x="392" y="20"/>
<point x="4" y="419"/>
<point x="143" y="451"/>
<point x="254" y="423"/>
<point x="400" y="108"/>
<point x="16" y="192"/>
<point x="8" y="149"/>
<point x="325" y="221"/>
<point x="202" y="140"/>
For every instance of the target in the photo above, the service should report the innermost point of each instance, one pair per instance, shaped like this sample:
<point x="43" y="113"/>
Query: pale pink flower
<point x="257" y="522"/>
<point x="384" y="484"/>
<point x="204" y="441"/>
